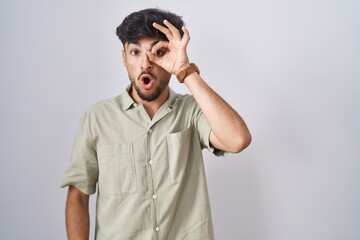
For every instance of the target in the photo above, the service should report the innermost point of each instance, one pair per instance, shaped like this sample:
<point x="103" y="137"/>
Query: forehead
<point x="142" y="43"/>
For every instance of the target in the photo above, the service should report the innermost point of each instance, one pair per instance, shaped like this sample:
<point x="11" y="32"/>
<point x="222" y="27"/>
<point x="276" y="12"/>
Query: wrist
<point x="186" y="71"/>
<point x="182" y="68"/>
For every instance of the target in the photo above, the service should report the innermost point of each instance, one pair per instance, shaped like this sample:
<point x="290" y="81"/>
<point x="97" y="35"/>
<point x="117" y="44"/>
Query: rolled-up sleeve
<point x="203" y="128"/>
<point x="82" y="171"/>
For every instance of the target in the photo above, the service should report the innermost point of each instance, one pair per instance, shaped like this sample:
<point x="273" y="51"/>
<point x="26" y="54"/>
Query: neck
<point x="151" y="107"/>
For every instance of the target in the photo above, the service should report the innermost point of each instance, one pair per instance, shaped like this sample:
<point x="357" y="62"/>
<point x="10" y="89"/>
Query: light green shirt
<point x="150" y="172"/>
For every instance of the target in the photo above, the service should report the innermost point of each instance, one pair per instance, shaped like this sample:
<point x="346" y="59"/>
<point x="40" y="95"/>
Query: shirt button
<point x="150" y="130"/>
<point x="154" y="196"/>
<point x="151" y="162"/>
<point x="157" y="229"/>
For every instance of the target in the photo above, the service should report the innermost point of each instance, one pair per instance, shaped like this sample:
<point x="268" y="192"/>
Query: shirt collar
<point x="128" y="102"/>
<point x="172" y="100"/>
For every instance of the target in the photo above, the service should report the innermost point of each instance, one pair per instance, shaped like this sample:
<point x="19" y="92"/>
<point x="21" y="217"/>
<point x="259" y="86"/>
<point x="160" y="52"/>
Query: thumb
<point x="153" y="58"/>
<point x="150" y="56"/>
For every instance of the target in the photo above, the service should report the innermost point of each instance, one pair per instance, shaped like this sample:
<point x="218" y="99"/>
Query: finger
<point x="151" y="56"/>
<point x="164" y="30"/>
<point x="158" y="51"/>
<point x="173" y="29"/>
<point x="186" y="37"/>
<point x="154" y="59"/>
<point x="158" y="46"/>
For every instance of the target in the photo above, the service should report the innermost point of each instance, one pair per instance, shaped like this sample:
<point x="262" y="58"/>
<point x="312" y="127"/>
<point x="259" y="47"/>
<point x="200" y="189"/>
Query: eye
<point x="134" y="52"/>
<point x="160" y="53"/>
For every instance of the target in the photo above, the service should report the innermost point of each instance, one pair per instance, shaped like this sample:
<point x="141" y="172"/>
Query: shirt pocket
<point x="185" y="155"/>
<point x="116" y="169"/>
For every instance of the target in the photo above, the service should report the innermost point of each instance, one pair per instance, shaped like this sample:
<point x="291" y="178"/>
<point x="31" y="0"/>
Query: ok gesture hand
<point x="170" y="55"/>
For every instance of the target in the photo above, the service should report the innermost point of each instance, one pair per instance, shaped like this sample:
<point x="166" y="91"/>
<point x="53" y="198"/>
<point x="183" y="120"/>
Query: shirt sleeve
<point x="203" y="128"/>
<point x="82" y="171"/>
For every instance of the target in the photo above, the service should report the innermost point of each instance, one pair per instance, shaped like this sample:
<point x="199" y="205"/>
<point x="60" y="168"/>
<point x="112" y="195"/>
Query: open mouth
<point x="147" y="81"/>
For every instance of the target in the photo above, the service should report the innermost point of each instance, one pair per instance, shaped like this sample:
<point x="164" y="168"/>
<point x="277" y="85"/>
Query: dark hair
<point x="138" y="25"/>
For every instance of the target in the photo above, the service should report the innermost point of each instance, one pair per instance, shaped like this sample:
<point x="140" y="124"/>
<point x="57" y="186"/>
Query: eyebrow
<point x="138" y="44"/>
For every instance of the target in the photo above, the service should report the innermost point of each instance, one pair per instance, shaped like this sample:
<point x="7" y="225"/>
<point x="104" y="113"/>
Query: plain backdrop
<point x="290" y="68"/>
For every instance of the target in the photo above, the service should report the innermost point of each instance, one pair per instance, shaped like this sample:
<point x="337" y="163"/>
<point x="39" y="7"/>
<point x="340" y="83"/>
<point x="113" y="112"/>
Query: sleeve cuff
<point x="82" y="186"/>
<point x="215" y="151"/>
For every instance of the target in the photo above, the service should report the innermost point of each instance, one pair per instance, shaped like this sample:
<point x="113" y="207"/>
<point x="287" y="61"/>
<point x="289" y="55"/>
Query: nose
<point x="145" y="63"/>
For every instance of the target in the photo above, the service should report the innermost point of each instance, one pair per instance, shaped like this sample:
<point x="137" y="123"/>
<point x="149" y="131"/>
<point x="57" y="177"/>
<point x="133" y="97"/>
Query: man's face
<point x="148" y="79"/>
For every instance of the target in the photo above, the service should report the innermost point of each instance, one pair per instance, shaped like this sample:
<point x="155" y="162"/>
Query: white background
<point x="290" y="68"/>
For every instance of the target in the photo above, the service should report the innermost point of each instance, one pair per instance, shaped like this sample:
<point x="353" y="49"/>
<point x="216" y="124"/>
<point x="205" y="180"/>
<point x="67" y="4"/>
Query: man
<point x="143" y="147"/>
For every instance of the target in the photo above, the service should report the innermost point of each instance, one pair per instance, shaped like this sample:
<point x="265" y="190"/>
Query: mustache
<point x="148" y="73"/>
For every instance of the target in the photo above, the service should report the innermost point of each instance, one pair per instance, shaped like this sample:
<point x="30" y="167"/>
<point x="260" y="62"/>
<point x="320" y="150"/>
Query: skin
<point x="136" y="61"/>
<point x="161" y="59"/>
<point x="77" y="215"/>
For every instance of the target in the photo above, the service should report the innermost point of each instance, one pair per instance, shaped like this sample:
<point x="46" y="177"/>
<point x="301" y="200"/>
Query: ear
<point x="123" y="57"/>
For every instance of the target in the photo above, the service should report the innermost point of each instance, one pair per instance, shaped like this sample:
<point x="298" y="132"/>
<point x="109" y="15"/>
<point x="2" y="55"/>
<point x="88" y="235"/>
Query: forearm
<point x="230" y="132"/>
<point x="77" y="216"/>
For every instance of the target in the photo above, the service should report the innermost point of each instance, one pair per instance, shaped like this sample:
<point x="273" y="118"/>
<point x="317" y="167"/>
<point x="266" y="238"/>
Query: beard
<point x="152" y="95"/>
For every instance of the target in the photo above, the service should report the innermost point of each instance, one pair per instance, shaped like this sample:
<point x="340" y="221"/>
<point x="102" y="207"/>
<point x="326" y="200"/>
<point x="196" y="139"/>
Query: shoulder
<point x="186" y="100"/>
<point x="187" y="107"/>
<point x="104" y="106"/>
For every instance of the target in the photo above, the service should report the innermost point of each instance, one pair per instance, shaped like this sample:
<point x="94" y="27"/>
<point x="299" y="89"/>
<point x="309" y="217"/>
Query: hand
<point x="170" y="55"/>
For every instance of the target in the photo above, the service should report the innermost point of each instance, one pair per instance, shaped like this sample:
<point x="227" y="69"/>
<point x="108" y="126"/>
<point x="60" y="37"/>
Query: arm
<point x="77" y="215"/>
<point x="229" y="131"/>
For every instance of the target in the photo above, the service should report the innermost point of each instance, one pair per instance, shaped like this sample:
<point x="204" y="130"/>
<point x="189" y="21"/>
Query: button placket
<point x="151" y="162"/>
<point x="153" y="197"/>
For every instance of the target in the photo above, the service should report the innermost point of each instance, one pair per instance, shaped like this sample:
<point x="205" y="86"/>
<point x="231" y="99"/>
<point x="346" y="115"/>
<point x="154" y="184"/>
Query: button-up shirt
<point x="150" y="172"/>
